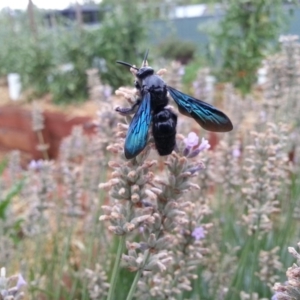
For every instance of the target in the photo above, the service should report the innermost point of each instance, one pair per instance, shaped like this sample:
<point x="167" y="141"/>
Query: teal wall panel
<point x="188" y="28"/>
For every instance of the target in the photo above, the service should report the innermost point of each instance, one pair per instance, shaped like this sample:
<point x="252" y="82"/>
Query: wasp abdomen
<point x="164" y="131"/>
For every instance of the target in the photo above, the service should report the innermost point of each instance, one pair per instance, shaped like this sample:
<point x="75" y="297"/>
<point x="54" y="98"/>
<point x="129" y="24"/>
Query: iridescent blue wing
<point x="136" y="138"/>
<point x="206" y="115"/>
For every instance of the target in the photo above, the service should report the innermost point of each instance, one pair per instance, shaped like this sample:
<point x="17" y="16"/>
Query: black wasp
<point x="151" y="107"/>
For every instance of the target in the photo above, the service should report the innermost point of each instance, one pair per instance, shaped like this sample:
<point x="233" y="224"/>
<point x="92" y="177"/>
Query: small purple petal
<point x="196" y="168"/>
<point x="274" y="297"/>
<point x="236" y="153"/>
<point x="186" y="151"/>
<point x="107" y="91"/>
<point x="194" y="153"/>
<point x="32" y="165"/>
<point x="35" y="164"/>
<point x="21" y="282"/>
<point x="198" y="233"/>
<point x="204" y="145"/>
<point x="181" y="71"/>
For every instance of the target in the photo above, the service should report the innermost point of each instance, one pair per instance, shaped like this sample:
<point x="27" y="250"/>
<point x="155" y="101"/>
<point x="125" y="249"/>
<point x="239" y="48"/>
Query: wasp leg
<point x="128" y="110"/>
<point x="137" y="85"/>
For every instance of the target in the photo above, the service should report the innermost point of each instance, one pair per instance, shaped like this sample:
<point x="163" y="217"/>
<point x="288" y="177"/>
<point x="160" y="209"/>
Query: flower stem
<point x="116" y="270"/>
<point x="137" y="277"/>
<point x="134" y="284"/>
<point x="257" y="246"/>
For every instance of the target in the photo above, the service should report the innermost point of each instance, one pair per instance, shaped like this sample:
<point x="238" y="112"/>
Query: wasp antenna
<point x="126" y="64"/>
<point x="145" y="58"/>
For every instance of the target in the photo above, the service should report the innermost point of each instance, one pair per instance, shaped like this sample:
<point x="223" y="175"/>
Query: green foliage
<point x="174" y="48"/>
<point x="244" y="36"/>
<point x="11" y="226"/>
<point x="3" y="165"/>
<point x="10" y="47"/>
<point x="40" y="58"/>
<point x="191" y="70"/>
<point x="36" y="65"/>
<point x="77" y="49"/>
<point x="123" y="31"/>
<point x="22" y="52"/>
<point x="6" y="201"/>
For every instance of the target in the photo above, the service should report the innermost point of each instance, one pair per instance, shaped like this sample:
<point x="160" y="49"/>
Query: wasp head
<point x="144" y="72"/>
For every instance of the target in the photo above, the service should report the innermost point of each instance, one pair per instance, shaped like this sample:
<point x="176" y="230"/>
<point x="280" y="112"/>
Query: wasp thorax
<point x="144" y="72"/>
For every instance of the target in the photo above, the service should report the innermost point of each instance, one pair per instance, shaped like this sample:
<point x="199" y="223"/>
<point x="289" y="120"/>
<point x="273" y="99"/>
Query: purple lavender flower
<point x="198" y="233"/>
<point x="181" y="71"/>
<point x="14" y="291"/>
<point x="196" y="168"/>
<point x="107" y="91"/>
<point x="202" y="147"/>
<point x="274" y="297"/>
<point x="236" y="152"/>
<point x="35" y="165"/>
<point x="191" y="140"/>
<point x="21" y="282"/>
